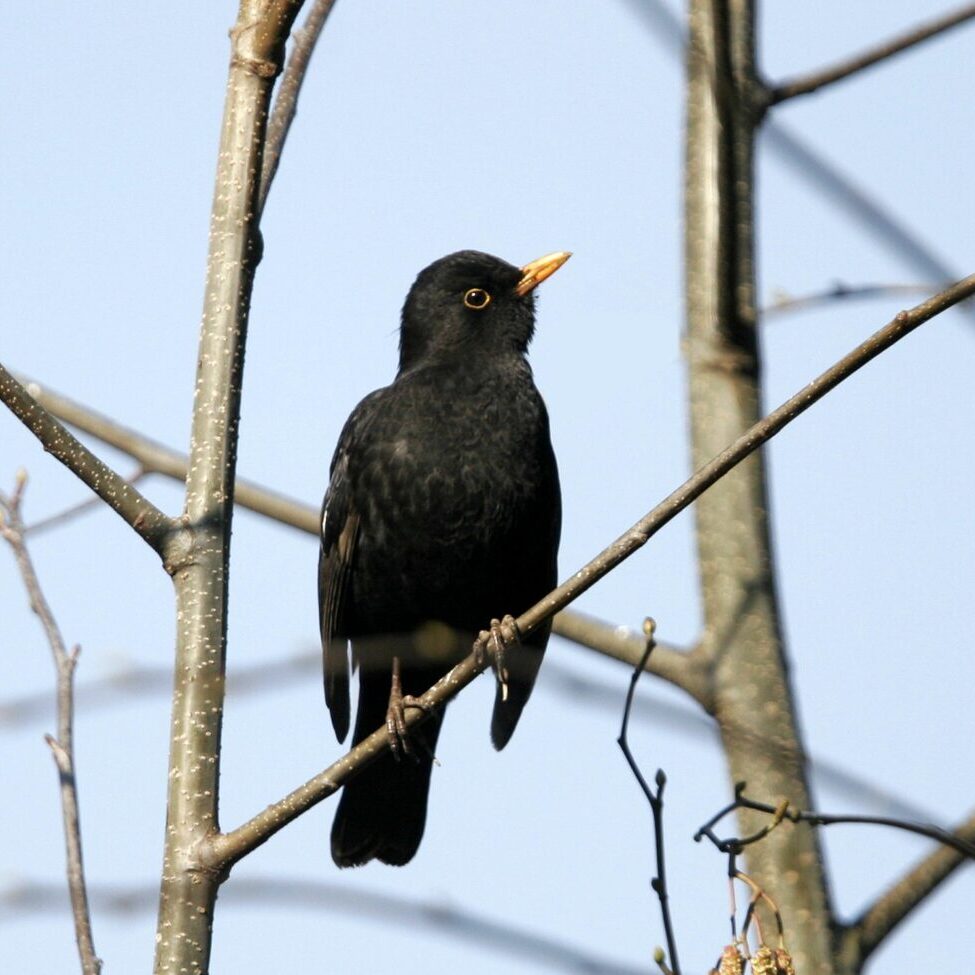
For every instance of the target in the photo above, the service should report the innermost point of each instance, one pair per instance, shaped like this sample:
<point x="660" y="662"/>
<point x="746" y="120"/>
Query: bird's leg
<point x="399" y="733"/>
<point x="494" y="644"/>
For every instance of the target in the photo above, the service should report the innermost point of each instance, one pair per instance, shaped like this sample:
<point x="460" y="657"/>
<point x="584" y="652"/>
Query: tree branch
<point x="62" y="747"/>
<point x="121" y="687"/>
<point x="200" y="560"/>
<point x="124" y="499"/>
<point x="269" y="892"/>
<point x="742" y="640"/>
<point x="65" y="515"/>
<point x="886" y="229"/>
<point x="286" y="101"/>
<point x="671" y="664"/>
<point x="156" y="458"/>
<point x="806" y="84"/>
<point x="682" y="668"/>
<point x="857" y="941"/>
<point x="222" y="851"/>
<point x="783" y="303"/>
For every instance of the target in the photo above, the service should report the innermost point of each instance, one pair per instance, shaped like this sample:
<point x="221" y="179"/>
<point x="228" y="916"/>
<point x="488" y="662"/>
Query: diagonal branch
<point x="870" y="214"/>
<point x="669" y="663"/>
<point x="783" y="303"/>
<point x="153" y="457"/>
<point x="222" y="851"/>
<point x="264" y="892"/>
<point x="118" y="493"/>
<point x="62" y="747"/>
<point x="859" y="940"/>
<point x="137" y="681"/>
<point x="806" y="84"/>
<point x="286" y="101"/>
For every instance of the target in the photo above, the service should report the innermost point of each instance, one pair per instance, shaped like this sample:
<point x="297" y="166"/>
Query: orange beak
<point x="535" y="272"/>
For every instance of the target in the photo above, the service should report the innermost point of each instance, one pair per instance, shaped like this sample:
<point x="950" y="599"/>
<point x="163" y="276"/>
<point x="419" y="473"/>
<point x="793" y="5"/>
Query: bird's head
<point x="471" y="304"/>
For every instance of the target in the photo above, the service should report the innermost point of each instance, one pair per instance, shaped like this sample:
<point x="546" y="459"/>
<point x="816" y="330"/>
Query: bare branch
<point x="809" y="83"/>
<point x="857" y="202"/>
<point x="286" y="100"/>
<point x="858" y="940"/>
<point x="124" y="499"/>
<point x="617" y="642"/>
<point x="886" y="229"/>
<point x="120" y="688"/>
<point x="222" y="851"/>
<point x="861" y="938"/>
<point x="200" y="558"/>
<point x="155" y="458"/>
<point x="655" y="797"/>
<point x="62" y="747"/>
<point x="73" y="511"/>
<point x="785" y="810"/>
<point x="681" y="668"/>
<point x="269" y="892"/>
<point x="783" y="303"/>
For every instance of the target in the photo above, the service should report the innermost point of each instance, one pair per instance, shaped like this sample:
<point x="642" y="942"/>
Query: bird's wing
<point x="339" y="535"/>
<point x="340" y="529"/>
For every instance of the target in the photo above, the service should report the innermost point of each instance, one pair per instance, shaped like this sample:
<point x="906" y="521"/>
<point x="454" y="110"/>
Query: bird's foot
<point x="493" y="645"/>
<point x="400" y="743"/>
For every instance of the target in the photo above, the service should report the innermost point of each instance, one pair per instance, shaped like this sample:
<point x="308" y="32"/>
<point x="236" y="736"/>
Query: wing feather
<point x="340" y="530"/>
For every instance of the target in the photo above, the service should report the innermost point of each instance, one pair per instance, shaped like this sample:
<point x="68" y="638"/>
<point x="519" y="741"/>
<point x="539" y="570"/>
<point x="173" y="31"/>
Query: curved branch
<point x="861" y="938"/>
<point x="62" y="748"/>
<point x="220" y="852"/>
<point x="806" y="84"/>
<point x="286" y="100"/>
<point x="465" y="926"/>
<point x="125" y="500"/>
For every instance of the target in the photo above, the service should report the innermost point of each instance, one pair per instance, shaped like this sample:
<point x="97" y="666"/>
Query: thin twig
<point x="73" y="511"/>
<point x="783" y="811"/>
<point x="806" y="84"/>
<point x="223" y="850"/>
<point x="682" y="668"/>
<point x="784" y="303"/>
<point x="285" y="108"/>
<point x="270" y="892"/>
<point x="124" y="499"/>
<point x="62" y="747"/>
<point x="656" y="799"/>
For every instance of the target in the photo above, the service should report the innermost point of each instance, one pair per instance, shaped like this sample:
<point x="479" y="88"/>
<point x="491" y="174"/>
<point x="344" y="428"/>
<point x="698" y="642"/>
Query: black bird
<point x="443" y="512"/>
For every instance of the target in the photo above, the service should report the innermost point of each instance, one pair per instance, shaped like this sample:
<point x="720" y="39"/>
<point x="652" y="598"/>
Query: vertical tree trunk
<point x="742" y="638"/>
<point x="198" y="556"/>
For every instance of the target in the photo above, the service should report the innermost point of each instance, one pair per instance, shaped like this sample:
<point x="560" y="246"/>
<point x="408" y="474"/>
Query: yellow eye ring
<point x="477" y="299"/>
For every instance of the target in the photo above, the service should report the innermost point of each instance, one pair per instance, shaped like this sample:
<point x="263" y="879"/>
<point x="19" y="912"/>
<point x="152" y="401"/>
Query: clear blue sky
<point x="517" y="129"/>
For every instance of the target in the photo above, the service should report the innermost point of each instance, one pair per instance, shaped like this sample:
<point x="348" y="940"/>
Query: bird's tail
<point x="383" y="810"/>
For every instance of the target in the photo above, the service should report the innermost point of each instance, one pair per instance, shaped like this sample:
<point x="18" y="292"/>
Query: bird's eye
<point x="477" y="298"/>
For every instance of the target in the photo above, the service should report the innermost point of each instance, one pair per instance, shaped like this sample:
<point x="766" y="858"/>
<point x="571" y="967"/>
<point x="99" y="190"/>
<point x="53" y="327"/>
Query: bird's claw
<point x="492" y="647"/>
<point x="400" y="743"/>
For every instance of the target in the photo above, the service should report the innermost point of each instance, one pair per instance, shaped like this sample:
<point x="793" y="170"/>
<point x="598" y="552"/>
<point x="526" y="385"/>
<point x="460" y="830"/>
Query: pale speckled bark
<point x="198" y="558"/>
<point x="743" y="639"/>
